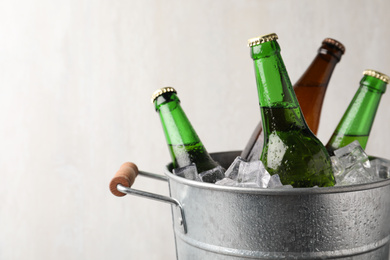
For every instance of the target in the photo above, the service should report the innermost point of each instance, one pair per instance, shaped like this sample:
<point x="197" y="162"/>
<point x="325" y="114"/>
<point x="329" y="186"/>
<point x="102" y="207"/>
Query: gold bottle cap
<point x="378" y="75"/>
<point x="335" y="43"/>
<point x="262" y="39"/>
<point x="161" y="91"/>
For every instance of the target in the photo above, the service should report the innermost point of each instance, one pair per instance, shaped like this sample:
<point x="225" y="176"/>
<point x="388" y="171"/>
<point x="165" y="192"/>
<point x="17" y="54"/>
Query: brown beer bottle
<point x="310" y="90"/>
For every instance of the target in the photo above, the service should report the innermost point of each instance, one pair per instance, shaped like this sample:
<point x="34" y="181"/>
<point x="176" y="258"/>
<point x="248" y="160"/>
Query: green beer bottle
<point x="310" y="90"/>
<point x="184" y="144"/>
<point x="290" y="149"/>
<point x="357" y="120"/>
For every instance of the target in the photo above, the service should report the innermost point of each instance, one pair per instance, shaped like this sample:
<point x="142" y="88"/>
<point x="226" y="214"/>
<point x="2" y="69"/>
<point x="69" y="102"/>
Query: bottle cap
<point x="335" y="43"/>
<point x="161" y="91"/>
<point x="262" y="39"/>
<point x="378" y="75"/>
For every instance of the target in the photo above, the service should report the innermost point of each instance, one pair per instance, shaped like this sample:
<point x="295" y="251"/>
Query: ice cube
<point x="356" y="174"/>
<point x="232" y="171"/>
<point x="226" y="182"/>
<point x="351" y="154"/>
<point x="275" y="182"/>
<point x="213" y="175"/>
<point x="248" y="185"/>
<point x="189" y="172"/>
<point x="381" y="168"/>
<point x="337" y="166"/>
<point x="253" y="174"/>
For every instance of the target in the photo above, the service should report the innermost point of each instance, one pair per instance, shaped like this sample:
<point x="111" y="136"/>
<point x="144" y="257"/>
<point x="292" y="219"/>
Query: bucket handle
<point x="124" y="178"/>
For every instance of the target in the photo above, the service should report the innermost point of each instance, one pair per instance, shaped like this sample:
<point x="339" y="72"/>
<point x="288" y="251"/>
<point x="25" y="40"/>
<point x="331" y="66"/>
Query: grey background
<point x="76" y="81"/>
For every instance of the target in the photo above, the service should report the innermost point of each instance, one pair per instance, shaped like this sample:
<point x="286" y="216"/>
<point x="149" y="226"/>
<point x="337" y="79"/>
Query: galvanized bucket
<point x="216" y="222"/>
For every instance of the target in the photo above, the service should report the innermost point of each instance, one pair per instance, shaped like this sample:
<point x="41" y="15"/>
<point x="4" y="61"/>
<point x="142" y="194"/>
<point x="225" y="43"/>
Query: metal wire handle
<point x="124" y="178"/>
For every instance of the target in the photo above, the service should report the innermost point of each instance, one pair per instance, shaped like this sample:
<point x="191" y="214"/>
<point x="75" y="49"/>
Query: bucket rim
<point x="277" y="191"/>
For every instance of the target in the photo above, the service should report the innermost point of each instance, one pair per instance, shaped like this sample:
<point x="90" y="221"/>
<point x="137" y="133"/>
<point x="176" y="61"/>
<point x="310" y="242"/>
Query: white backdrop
<point x="76" y="81"/>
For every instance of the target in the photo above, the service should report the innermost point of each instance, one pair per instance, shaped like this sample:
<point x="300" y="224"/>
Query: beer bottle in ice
<point x="359" y="117"/>
<point x="311" y="87"/>
<point x="290" y="149"/>
<point x="310" y="90"/>
<point x="185" y="147"/>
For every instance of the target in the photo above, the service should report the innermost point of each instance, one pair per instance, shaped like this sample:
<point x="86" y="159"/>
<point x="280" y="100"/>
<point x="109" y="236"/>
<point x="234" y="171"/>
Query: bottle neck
<point x="328" y="50"/>
<point x="310" y="89"/>
<point x="320" y="70"/>
<point x="359" y="117"/>
<point x="184" y="144"/>
<point x="177" y="128"/>
<point x="273" y="83"/>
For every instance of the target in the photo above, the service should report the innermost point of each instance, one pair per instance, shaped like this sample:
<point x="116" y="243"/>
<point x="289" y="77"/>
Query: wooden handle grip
<point x="125" y="176"/>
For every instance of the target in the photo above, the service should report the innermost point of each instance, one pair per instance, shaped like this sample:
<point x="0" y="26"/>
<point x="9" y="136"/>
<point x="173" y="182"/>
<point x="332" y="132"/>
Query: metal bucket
<point x="216" y="222"/>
